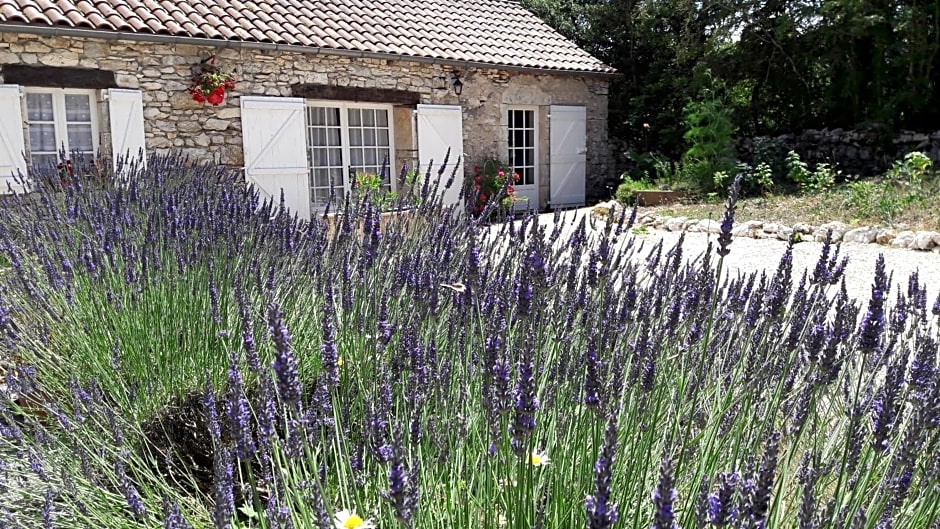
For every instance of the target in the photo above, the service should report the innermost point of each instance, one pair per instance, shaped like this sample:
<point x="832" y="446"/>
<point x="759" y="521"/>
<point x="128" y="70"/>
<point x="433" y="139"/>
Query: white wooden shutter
<point x="273" y="136"/>
<point x="126" y="110"/>
<point x="12" y="143"/>
<point x="568" y="156"/>
<point x="441" y="127"/>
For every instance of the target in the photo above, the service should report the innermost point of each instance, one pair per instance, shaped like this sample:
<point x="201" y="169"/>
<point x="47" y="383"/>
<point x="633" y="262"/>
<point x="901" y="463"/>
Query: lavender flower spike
<point x="664" y="497"/>
<point x="285" y="363"/>
<point x="601" y="512"/>
<point x="727" y="222"/>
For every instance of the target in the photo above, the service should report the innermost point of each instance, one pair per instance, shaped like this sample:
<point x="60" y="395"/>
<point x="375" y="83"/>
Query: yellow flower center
<point x="339" y="361"/>
<point x="536" y="459"/>
<point x="353" y="522"/>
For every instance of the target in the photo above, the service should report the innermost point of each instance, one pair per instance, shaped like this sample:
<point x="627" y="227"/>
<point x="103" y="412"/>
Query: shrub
<point x="626" y="191"/>
<point x="709" y="134"/>
<point x="181" y="349"/>
<point x="492" y="181"/>
<point x="822" y="179"/>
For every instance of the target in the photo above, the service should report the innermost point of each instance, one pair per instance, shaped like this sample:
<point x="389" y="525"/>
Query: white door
<point x="568" y="156"/>
<point x="522" y="125"/>
<point x="275" y="150"/>
<point x="126" y="111"/>
<point x="12" y="141"/>
<point x="440" y="127"/>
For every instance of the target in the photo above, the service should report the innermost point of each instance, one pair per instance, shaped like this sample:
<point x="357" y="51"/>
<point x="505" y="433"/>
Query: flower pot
<point x="658" y="197"/>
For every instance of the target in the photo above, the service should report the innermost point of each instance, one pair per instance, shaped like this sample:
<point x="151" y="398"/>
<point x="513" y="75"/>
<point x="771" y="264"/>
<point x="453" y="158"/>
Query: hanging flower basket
<point x="211" y="83"/>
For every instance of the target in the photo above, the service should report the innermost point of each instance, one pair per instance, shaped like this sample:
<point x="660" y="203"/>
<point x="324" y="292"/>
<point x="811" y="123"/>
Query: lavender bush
<point x="180" y="353"/>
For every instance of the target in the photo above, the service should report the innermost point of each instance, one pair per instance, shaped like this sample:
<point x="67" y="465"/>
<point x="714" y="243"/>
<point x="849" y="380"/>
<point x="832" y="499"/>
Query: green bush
<point x="626" y="191"/>
<point x="709" y="134"/>
<point x="823" y="178"/>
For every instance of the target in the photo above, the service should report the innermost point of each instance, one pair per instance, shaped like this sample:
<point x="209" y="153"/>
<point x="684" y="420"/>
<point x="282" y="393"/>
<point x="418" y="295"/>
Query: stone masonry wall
<point x="864" y="152"/>
<point x="173" y="121"/>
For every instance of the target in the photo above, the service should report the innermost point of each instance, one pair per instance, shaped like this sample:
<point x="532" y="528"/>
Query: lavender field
<point x="179" y="353"/>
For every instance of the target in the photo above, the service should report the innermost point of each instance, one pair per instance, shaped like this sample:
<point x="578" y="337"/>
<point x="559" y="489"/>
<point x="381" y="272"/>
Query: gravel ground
<point x="749" y="255"/>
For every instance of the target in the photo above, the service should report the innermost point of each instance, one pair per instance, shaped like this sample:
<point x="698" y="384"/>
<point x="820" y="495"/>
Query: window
<point x="522" y="145"/>
<point x="345" y="138"/>
<point x="60" y="120"/>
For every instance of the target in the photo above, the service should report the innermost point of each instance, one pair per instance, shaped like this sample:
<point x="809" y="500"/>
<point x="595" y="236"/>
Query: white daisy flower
<point x="539" y="459"/>
<point x="347" y="519"/>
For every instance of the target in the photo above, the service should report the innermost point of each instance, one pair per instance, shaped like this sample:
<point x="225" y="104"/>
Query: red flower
<point x="501" y="174"/>
<point x="476" y="168"/>
<point x="199" y="97"/>
<point x="215" y="98"/>
<point x="483" y="197"/>
<point x="515" y="177"/>
<point x="510" y="190"/>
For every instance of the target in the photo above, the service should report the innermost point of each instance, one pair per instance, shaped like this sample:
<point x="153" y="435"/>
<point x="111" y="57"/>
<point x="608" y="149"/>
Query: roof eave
<point x="59" y="31"/>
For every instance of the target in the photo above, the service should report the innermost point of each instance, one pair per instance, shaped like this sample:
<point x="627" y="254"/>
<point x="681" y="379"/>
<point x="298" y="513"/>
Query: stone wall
<point x="173" y="121"/>
<point x="864" y="152"/>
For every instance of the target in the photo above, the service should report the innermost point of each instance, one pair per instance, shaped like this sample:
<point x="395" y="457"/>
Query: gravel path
<point x="749" y="255"/>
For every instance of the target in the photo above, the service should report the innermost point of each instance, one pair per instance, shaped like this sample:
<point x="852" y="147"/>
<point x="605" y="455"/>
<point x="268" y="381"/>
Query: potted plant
<point x="210" y="83"/>
<point x="492" y="180"/>
<point x="652" y="183"/>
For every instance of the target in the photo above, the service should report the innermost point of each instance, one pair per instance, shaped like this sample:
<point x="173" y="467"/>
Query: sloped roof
<point x="496" y="32"/>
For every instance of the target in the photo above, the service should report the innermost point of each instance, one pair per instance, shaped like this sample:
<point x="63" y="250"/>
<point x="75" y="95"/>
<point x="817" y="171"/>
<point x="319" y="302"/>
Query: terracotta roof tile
<point x="497" y="32"/>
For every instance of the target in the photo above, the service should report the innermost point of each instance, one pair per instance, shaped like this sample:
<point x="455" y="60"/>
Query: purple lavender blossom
<point x="721" y="509"/>
<point x="329" y="354"/>
<point x="48" y="506"/>
<point x="285" y="363"/>
<point x="222" y="492"/>
<point x="664" y="497"/>
<point x="727" y="222"/>
<point x="601" y="511"/>
<point x="134" y="501"/>
<point x="526" y="403"/>
<point x="212" y="411"/>
<point x="172" y="518"/>
<point x="758" y="501"/>
<point x="402" y="491"/>
<point x="874" y="323"/>
<point x="238" y="412"/>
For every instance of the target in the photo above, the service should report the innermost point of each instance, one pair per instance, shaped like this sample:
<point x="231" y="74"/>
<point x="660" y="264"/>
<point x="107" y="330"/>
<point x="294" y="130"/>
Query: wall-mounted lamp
<point x="458" y="84"/>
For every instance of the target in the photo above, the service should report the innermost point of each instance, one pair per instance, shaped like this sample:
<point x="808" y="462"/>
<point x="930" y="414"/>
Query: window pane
<point x="382" y="138"/>
<point x="368" y="118"/>
<point x="381" y="118"/>
<point x="80" y="138"/>
<point x="355" y="118"/>
<point x="333" y="137"/>
<point x="39" y="107"/>
<point x="529" y="157"/>
<point x="355" y="137"/>
<point x="529" y="116"/>
<point x="355" y="157"/>
<point x="371" y="157"/>
<point x="44" y="161"/>
<point x="383" y="158"/>
<point x="42" y="137"/>
<point x="336" y="157"/>
<point x="321" y="177"/>
<point x="332" y="117"/>
<point x="530" y="138"/>
<point x="319" y="158"/>
<point x="368" y="137"/>
<point x="77" y="108"/>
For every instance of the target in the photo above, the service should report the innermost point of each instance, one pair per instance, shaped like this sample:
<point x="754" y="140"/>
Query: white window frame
<point x="58" y="116"/>
<point x="344" y="107"/>
<point x="535" y="137"/>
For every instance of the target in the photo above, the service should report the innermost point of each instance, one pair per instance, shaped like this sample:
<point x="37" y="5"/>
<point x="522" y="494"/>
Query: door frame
<point x="532" y="191"/>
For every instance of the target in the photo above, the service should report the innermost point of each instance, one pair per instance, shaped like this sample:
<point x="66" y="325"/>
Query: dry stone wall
<point x="865" y="152"/>
<point x="173" y="121"/>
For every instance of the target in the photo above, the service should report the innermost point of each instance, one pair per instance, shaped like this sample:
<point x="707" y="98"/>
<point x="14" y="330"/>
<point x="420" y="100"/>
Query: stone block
<point x="62" y="58"/>
<point x="924" y="240"/>
<point x="216" y="124"/>
<point x="884" y="236"/>
<point x="127" y="81"/>
<point x="676" y="223"/>
<point x="864" y="235"/>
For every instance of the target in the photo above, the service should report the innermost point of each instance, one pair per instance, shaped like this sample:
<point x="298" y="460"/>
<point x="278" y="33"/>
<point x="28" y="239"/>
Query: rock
<point x="903" y="239"/>
<point x="802" y="227"/>
<point x="884" y="236"/>
<point x="864" y="235"/>
<point x="710" y="226"/>
<point x="234" y="112"/>
<point x="742" y="231"/>
<point x="216" y="124"/>
<point x="784" y="233"/>
<point x="676" y="223"/>
<point x="924" y="240"/>
<point x="936" y="239"/>
<point x="770" y="227"/>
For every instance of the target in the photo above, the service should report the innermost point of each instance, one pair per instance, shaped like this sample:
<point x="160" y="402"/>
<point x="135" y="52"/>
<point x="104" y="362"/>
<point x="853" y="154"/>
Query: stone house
<point x="323" y="88"/>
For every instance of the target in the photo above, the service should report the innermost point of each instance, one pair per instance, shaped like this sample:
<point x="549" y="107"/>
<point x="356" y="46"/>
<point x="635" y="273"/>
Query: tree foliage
<point x="784" y="65"/>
